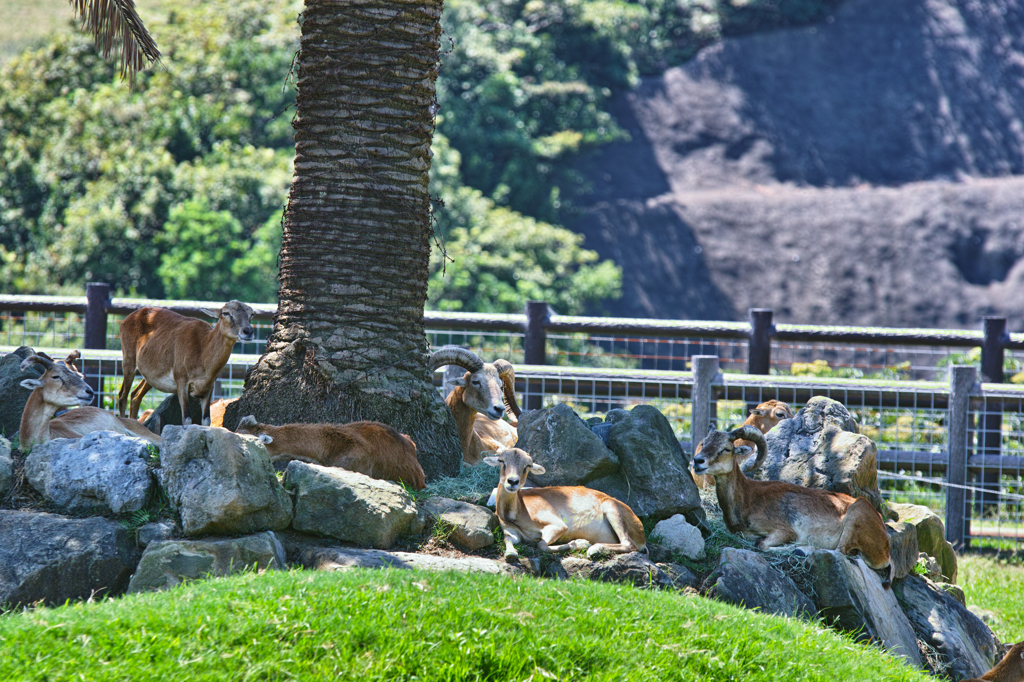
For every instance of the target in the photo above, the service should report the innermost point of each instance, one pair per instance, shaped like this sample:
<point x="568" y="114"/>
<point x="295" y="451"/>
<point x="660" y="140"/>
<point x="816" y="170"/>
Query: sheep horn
<point x="43" y="360"/>
<point x="453" y="355"/>
<point x="507" y="374"/>
<point x="752" y="434"/>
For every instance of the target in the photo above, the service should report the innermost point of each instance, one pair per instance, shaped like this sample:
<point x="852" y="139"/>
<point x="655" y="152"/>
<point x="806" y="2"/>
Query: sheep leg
<point x="551" y="533"/>
<point x="186" y="416"/>
<point x="137" y="395"/>
<point x="613" y="516"/>
<point x="128" y="370"/>
<point x="777" y="537"/>
<point x="511" y="539"/>
<point x="206" y="407"/>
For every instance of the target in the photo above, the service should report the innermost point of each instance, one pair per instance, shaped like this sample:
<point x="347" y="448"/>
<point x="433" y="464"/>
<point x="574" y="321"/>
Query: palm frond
<point x="113" y="22"/>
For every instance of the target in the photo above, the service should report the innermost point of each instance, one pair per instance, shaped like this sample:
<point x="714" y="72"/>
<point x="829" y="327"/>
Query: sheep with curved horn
<point x="778" y="512"/>
<point x="62" y="386"/>
<point x="486" y="389"/>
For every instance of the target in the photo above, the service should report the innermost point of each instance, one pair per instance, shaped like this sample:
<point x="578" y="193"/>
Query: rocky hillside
<point x="866" y="170"/>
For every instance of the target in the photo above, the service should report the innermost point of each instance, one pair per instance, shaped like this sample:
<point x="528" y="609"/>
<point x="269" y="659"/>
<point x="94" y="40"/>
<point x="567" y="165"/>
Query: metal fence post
<point x="97" y="295"/>
<point x="961" y="383"/>
<point x="992" y="354"/>
<point x="705" y="369"/>
<point x="535" y="344"/>
<point x="759" y="350"/>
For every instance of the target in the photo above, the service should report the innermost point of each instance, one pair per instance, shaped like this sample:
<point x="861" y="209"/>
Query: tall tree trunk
<point x="348" y="341"/>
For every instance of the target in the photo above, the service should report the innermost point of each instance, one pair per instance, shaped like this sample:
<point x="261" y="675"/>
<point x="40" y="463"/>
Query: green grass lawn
<point x="403" y="625"/>
<point x="996" y="585"/>
<point x="24" y="22"/>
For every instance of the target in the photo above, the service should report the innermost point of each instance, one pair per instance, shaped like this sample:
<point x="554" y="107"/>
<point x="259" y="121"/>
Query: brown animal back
<point x="393" y="453"/>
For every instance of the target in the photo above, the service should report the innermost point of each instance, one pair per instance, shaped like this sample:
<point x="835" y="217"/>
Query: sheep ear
<point x="537" y="469"/>
<point x="265" y="439"/>
<point x="247" y="420"/>
<point x="31" y="384"/>
<point x="210" y="313"/>
<point x="492" y="461"/>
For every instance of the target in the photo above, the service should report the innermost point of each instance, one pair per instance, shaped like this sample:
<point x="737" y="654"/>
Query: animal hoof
<point x="579" y="545"/>
<point x="597" y="552"/>
<point x="511" y="557"/>
<point x="206" y="422"/>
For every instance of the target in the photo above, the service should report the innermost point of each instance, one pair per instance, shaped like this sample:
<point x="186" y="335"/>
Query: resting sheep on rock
<point x="366" y="447"/>
<point x="778" y="513"/>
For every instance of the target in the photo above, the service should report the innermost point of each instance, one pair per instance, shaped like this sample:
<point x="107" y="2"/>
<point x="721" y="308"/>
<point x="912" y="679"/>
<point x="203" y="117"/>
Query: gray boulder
<point x="680" y="576"/>
<point x="6" y="467"/>
<point x="633" y="568"/>
<point x="221" y="483"/>
<point x="931" y="536"/>
<point x="746" y="579"/>
<point x="158" y="531"/>
<point x="965" y="643"/>
<point x="820" y="448"/>
<point x="343" y="558"/>
<point x="168" y="563"/>
<point x="564" y="445"/>
<point x="349" y="506"/>
<point x="642" y="465"/>
<point x="51" y="558"/>
<point x="13" y="396"/>
<point x="850" y="597"/>
<point x="679" y="536"/>
<point x="902" y="548"/>
<point x="95" y="474"/>
<point x="472" y="526"/>
<point x="653" y="476"/>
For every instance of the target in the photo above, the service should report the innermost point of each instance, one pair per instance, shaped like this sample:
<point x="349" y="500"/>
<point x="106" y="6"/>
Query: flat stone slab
<point x="343" y="558"/>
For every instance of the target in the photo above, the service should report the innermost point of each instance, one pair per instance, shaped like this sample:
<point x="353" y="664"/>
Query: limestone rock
<point x="220" y="482"/>
<point x="13" y="396"/>
<point x="820" y="448"/>
<point x="633" y="568"/>
<point x="565" y="446"/>
<point x="154" y="532"/>
<point x="680" y="537"/>
<point x="850" y="596"/>
<point x="746" y="579"/>
<point x="680" y="576"/>
<point x="51" y="558"/>
<point x="642" y="465"/>
<point x="956" y="592"/>
<point x="902" y="548"/>
<point x="95" y="474"/>
<point x="960" y="637"/>
<point x="167" y="563"/>
<point x="6" y="467"/>
<point x="343" y="558"/>
<point x="349" y="506"/>
<point x="931" y="536"/>
<point x="653" y="476"/>
<point x="472" y="526"/>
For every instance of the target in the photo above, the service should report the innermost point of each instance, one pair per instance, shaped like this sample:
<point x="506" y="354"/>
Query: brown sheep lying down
<point x="370" y="448"/>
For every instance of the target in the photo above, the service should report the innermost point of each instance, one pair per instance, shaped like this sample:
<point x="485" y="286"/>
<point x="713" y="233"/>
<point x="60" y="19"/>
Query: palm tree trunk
<point x="348" y="339"/>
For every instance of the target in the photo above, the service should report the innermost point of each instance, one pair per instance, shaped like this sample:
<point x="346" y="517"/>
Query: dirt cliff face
<point x="867" y="170"/>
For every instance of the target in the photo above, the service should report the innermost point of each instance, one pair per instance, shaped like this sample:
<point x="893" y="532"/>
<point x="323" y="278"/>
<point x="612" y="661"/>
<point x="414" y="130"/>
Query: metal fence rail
<point x="900" y="383"/>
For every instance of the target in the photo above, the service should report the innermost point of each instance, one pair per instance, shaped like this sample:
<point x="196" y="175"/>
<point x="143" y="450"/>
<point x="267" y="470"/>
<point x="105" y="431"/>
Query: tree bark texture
<point x="348" y="341"/>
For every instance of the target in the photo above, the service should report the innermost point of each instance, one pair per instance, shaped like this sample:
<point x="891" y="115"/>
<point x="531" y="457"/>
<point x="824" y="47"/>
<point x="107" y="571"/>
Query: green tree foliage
<point x="91" y="170"/>
<point x="175" y="188"/>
